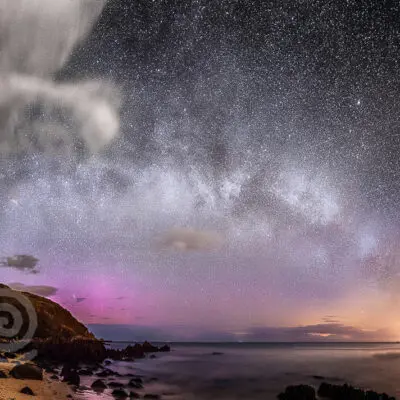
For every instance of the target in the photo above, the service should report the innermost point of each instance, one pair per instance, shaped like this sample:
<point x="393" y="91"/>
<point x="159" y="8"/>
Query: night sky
<point x="252" y="190"/>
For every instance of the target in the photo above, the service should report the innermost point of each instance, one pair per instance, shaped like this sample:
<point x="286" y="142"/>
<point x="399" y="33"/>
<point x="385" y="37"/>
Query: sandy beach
<point x="47" y="389"/>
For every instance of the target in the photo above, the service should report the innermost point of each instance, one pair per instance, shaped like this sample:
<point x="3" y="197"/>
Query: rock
<point x="67" y="368"/>
<point x="115" y="385"/>
<point x="107" y="362"/>
<point x="340" y="392"/>
<point x="85" y="372"/>
<point x="3" y="375"/>
<point x="216" y="353"/>
<point x="105" y="373"/>
<point x="10" y="355"/>
<point x="72" y="378"/>
<point x="69" y="396"/>
<point x="136" y="383"/>
<point x="27" y="371"/>
<point x="54" y="377"/>
<point x="318" y="377"/>
<point x="134" y="395"/>
<point x="99" y="385"/>
<point x="153" y="356"/>
<point x="27" y="390"/>
<point x="59" y="336"/>
<point x="127" y="354"/>
<point x="300" y="392"/>
<point x="165" y="348"/>
<point x="371" y="395"/>
<point x="152" y="396"/>
<point x="119" y="394"/>
<point x="54" y="321"/>
<point x="73" y="350"/>
<point x="149" y="348"/>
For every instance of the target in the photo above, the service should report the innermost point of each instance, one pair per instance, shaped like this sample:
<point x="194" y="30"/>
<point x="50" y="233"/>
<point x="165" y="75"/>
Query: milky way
<point x="261" y="137"/>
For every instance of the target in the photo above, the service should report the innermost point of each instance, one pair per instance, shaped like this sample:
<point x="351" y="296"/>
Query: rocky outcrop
<point x="74" y="350"/>
<point x="53" y="320"/>
<point x="300" y="392"/>
<point x="341" y="392"/>
<point x="59" y="336"/>
<point x="136" y="351"/>
<point x="331" y="392"/>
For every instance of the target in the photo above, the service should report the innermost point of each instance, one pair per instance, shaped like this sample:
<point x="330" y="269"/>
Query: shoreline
<point x="46" y="389"/>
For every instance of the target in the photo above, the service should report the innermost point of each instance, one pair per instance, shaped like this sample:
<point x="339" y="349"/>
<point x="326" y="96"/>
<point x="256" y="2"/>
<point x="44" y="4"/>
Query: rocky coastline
<point x="66" y="359"/>
<point x="61" y="352"/>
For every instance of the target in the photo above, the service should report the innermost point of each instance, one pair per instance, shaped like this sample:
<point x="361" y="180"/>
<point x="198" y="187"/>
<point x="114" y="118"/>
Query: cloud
<point x="39" y="37"/>
<point x="45" y="291"/>
<point x="330" y="319"/>
<point x="310" y="333"/>
<point x="188" y="239"/>
<point x="80" y="299"/>
<point x="21" y="261"/>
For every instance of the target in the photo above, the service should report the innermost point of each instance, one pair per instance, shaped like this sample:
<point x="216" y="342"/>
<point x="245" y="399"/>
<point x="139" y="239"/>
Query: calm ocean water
<point x="259" y="371"/>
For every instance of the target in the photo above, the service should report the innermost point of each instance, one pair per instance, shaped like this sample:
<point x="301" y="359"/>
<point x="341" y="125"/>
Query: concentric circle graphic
<point x="14" y="306"/>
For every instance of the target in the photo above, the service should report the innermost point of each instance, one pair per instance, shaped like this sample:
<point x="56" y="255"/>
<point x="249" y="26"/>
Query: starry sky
<point x="251" y="192"/>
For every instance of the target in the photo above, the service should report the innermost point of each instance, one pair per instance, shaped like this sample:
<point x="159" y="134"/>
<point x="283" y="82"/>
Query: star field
<point x="266" y="132"/>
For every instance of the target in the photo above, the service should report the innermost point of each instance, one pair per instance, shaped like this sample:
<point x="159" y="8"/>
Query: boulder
<point x="134" y="395"/>
<point x="165" y="348"/>
<point x="136" y="383"/>
<point x="98" y="385"/>
<point x="106" y="372"/>
<point x="27" y="390"/>
<point x="3" y="375"/>
<point x="27" y="371"/>
<point x="299" y="392"/>
<point x="119" y="394"/>
<point x="72" y="378"/>
<point x="149" y="348"/>
<point x="339" y="392"/>
<point x="152" y="396"/>
<point x="85" y="372"/>
<point x="370" y="395"/>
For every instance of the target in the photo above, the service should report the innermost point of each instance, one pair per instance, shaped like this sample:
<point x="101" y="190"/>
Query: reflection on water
<point x="201" y="372"/>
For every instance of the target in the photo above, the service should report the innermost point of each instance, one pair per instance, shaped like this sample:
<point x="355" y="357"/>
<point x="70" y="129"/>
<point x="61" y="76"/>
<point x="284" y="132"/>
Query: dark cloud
<point x="21" y="261"/>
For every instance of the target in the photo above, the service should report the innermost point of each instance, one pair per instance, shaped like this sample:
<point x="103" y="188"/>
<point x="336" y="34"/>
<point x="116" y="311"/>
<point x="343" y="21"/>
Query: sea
<point x="247" y="371"/>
